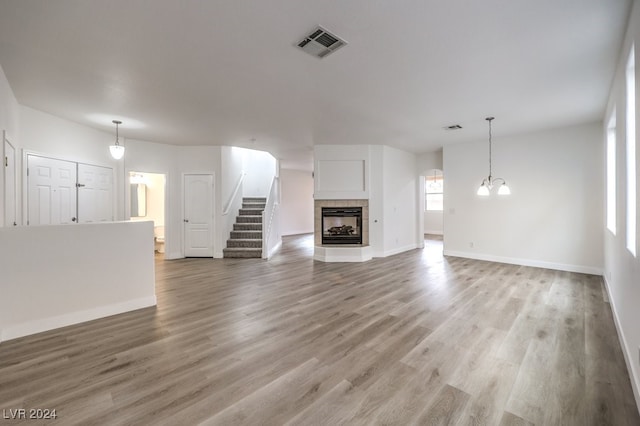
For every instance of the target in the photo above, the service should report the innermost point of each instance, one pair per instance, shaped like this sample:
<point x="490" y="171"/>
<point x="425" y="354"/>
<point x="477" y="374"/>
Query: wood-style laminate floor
<point x="415" y="338"/>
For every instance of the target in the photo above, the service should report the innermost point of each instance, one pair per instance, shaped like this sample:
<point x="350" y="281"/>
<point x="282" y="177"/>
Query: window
<point x="631" y="153"/>
<point x="611" y="173"/>
<point x="434" y="191"/>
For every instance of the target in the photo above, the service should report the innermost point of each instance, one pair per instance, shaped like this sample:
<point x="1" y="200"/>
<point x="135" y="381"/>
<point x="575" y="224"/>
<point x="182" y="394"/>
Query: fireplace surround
<point x="345" y="205"/>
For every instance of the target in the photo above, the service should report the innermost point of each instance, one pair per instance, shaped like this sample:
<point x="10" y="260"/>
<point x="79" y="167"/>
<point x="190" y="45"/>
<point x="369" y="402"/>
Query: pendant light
<point x="434" y="185"/>
<point x="117" y="150"/>
<point x="489" y="182"/>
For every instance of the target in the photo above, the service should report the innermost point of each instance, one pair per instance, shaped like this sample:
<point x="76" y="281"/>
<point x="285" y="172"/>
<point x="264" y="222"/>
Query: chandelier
<point x="489" y="182"/>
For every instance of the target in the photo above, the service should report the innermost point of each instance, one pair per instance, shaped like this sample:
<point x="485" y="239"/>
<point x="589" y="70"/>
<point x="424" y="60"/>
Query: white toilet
<point x="158" y="232"/>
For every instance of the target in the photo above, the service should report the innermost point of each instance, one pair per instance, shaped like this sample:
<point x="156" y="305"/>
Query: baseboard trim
<point x="293" y="233"/>
<point x="399" y="250"/>
<point x="273" y="251"/>
<point x="626" y="351"/>
<point x="527" y="262"/>
<point x="173" y="256"/>
<point x="15" y="331"/>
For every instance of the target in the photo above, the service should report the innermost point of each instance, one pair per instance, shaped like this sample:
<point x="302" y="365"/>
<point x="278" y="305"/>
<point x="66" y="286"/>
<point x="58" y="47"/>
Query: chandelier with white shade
<point x="489" y="182"/>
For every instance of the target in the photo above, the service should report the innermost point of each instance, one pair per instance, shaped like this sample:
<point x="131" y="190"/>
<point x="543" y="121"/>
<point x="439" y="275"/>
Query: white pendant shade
<point x="117" y="151"/>
<point x="483" y="191"/>
<point x="504" y="190"/>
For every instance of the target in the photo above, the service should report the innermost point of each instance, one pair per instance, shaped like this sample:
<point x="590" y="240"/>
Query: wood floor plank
<point x="415" y="338"/>
<point x="446" y="409"/>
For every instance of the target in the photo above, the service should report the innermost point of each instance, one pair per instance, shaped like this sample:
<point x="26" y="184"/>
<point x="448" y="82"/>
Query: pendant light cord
<point x="489" y="119"/>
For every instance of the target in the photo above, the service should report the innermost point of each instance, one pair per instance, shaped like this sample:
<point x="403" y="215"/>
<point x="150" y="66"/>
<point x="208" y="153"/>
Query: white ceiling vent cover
<point x="320" y="43"/>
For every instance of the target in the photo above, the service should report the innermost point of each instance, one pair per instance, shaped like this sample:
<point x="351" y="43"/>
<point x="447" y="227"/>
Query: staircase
<point x="246" y="237"/>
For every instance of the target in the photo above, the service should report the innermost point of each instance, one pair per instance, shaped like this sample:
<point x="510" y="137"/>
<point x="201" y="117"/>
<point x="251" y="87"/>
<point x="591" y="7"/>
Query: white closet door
<point x="198" y="215"/>
<point x="95" y="194"/>
<point x="51" y="191"/>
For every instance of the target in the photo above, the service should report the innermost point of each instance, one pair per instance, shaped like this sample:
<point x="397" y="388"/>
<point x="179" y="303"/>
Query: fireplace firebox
<point x="342" y="225"/>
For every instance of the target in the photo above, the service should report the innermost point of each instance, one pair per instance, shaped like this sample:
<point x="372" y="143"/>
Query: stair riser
<point x="242" y="254"/>
<point x="254" y="200"/>
<point x="249" y="212"/>
<point x="244" y="244"/>
<point x="247" y="226"/>
<point x="248" y="219"/>
<point x="253" y="206"/>
<point x="243" y="235"/>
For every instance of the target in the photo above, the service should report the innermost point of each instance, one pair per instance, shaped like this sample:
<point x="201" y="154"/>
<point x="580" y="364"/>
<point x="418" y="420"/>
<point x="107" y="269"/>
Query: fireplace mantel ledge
<point x="342" y="253"/>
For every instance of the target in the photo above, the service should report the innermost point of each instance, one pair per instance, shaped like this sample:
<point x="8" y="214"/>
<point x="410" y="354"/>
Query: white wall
<point x="400" y="202"/>
<point x="10" y="122"/>
<point x="260" y="168"/>
<point x="231" y="169"/>
<point x="387" y="177"/>
<point x="553" y="218"/>
<point x="341" y="172"/>
<point x="621" y="268"/>
<point x="433" y="222"/>
<point x="429" y="161"/>
<point x="50" y="288"/>
<point x="296" y="207"/>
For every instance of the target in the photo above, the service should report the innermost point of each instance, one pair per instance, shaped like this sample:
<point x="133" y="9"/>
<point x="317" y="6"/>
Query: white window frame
<point x="612" y="186"/>
<point x="631" y="153"/>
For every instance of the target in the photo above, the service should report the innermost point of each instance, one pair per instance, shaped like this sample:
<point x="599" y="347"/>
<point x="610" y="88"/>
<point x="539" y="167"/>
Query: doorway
<point x="147" y="201"/>
<point x="434" y="202"/>
<point x="198" y="215"/>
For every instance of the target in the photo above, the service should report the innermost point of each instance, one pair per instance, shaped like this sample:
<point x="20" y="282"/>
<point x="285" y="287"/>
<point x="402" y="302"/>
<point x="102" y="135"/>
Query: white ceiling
<point x="213" y="72"/>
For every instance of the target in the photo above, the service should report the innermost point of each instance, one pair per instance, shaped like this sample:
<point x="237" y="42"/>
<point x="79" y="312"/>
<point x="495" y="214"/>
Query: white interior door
<point x="198" y="215"/>
<point x="51" y="186"/>
<point x="95" y="194"/>
<point x="10" y="218"/>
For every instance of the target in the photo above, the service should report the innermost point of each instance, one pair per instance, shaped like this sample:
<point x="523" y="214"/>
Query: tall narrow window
<point x="611" y="173"/>
<point x="434" y="191"/>
<point x="631" y="153"/>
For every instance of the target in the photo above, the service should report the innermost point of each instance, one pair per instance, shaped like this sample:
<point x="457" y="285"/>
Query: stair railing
<point x="271" y="236"/>
<point x="233" y="205"/>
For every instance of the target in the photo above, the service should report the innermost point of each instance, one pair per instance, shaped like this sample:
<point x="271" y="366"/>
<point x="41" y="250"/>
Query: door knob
<point x="186" y="220"/>
<point x="73" y="219"/>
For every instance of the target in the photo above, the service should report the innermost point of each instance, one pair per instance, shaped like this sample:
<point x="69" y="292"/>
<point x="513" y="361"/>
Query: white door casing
<point x="95" y="194"/>
<point x="198" y="215"/>
<point x="10" y="211"/>
<point x="51" y="191"/>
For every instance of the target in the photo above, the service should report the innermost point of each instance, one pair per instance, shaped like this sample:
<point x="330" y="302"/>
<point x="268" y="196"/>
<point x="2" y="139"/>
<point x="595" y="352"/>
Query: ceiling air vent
<point x="320" y="43"/>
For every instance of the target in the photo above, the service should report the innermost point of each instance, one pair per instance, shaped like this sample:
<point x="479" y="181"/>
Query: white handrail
<point x="270" y="229"/>
<point x="227" y="207"/>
